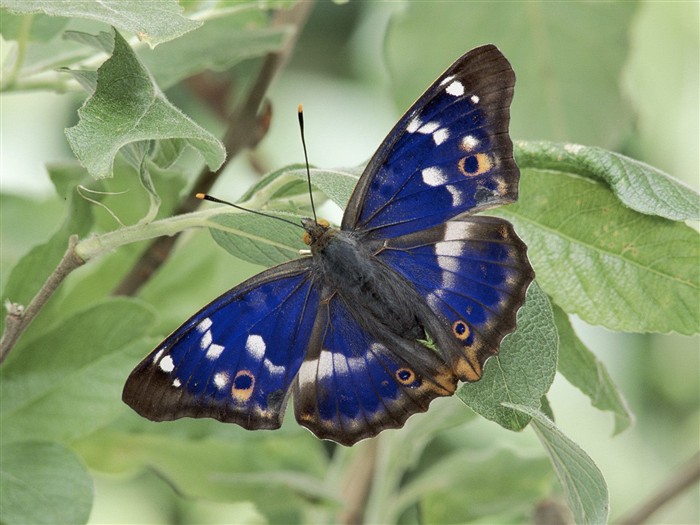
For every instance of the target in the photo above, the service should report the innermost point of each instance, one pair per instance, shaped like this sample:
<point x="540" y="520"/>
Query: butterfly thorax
<point x="376" y="294"/>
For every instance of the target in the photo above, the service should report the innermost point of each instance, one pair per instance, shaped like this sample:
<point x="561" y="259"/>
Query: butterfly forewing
<point x="449" y="154"/>
<point x="235" y="359"/>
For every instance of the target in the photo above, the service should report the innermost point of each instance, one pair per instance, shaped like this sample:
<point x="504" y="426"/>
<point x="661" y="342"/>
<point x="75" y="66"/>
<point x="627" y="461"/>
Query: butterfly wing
<point x="473" y="272"/>
<point x="236" y="358"/>
<point x="359" y="379"/>
<point x="449" y="154"/>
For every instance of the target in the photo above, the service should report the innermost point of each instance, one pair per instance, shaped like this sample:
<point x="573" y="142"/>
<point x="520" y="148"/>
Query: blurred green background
<point x="622" y="75"/>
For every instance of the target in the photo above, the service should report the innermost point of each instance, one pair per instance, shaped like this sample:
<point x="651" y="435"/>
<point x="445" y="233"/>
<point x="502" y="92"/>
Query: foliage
<point x="606" y="236"/>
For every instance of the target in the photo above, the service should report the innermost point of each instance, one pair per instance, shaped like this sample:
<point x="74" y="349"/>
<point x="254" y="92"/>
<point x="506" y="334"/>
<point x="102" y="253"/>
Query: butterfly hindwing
<point x="449" y="154"/>
<point x="236" y="358"/>
<point x="473" y="272"/>
<point x="357" y="381"/>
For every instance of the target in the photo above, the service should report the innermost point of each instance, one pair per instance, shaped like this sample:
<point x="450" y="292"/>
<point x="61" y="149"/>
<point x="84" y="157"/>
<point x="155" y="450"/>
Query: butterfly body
<point x="408" y="297"/>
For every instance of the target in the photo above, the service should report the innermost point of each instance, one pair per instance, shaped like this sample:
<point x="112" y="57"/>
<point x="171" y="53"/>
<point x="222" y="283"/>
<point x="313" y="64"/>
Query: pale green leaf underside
<point x="604" y="262"/>
<point x="523" y="370"/>
<point x="639" y="186"/>
<point x="43" y="483"/>
<point x="152" y="22"/>
<point x="582" y="481"/>
<point x="128" y="107"/>
<point x="583" y="370"/>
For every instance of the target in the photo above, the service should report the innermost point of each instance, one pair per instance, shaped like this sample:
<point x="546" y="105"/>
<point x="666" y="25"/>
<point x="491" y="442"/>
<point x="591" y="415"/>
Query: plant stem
<point x="246" y="127"/>
<point x="683" y="480"/>
<point x="18" y="319"/>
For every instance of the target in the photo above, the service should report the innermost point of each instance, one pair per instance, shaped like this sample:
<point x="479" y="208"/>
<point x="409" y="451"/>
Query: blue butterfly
<point x="411" y="295"/>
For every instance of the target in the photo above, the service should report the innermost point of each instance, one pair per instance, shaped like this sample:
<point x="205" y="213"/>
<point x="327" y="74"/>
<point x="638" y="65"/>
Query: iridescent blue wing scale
<point x="359" y="380"/>
<point x="473" y="272"/>
<point x="449" y="154"/>
<point x="236" y="358"/>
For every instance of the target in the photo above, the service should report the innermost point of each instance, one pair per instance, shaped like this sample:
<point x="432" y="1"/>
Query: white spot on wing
<point x="166" y="364"/>
<point x="214" y="352"/>
<point x="441" y="136"/>
<point x="157" y="356"/>
<point x="447" y="79"/>
<point x="221" y="379"/>
<point x="340" y="365"/>
<point x="456" y="89"/>
<point x="414" y="125"/>
<point x="325" y="364"/>
<point x="255" y="345"/>
<point x="428" y="128"/>
<point x="433" y="176"/>
<point x="204" y="325"/>
<point x="206" y="340"/>
<point x="177" y="383"/>
<point x="307" y="372"/>
<point x="449" y="248"/>
<point x="457" y="195"/>
<point x="475" y="99"/>
<point x="456" y="231"/>
<point x="273" y="368"/>
<point x="469" y="142"/>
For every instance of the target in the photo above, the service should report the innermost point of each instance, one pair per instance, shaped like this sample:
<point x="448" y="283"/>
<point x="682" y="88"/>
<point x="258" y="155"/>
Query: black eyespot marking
<point x="405" y="376"/>
<point x="461" y="330"/>
<point x="242" y="386"/>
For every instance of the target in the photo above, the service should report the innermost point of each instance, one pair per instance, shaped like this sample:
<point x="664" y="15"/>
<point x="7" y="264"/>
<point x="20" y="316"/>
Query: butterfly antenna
<point x="300" y="112"/>
<point x="205" y="197"/>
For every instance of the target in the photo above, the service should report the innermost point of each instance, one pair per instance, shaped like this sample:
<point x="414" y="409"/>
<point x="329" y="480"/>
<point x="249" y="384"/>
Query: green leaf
<point x="568" y="74"/>
<point x="32" y="270"/>
<point x="604" y="262"/>
<point x="337" y="184"/>
<point x="523" y="370"/>
<point x="218" y="45"/>
<point x="256" y="239"/>
<point x="466" y="485"/>
<point x="67" y="382"/>
<point x="279" y="472"/>
<point x="41" y="28"/>
<point x="43" y="483"/>
<point x="127" y="106"/>
<point x="151" y="22"/>
<point x="582" y="481"/>
<point x="639" y="186"/>
<point x="583" y="370"/>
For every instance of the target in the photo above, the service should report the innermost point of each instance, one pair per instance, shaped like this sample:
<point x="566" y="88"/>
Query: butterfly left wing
<point x="449" y="154"/>
<point x="235" y="359"/>
<point x="473" y="273"/>
<point x="358" y="379"/>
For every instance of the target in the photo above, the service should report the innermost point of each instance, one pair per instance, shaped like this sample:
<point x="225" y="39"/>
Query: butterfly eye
<point x="242" y="387"/>
<point x="461" y="330"/>
<point x="475" y="164"/>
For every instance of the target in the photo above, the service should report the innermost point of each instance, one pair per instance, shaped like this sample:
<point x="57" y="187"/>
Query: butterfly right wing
<point x="235" y="359"/>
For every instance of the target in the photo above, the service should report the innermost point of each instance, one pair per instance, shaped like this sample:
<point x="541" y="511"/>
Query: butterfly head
<point x="314" y="230"/>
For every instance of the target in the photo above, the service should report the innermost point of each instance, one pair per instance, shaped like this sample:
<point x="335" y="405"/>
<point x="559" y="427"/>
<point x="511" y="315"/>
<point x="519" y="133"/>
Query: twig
<point x="17" y="319"/>
<point x="246" y="127"/>
<point x="358" y="483"/>
<point x="682" y="480"/>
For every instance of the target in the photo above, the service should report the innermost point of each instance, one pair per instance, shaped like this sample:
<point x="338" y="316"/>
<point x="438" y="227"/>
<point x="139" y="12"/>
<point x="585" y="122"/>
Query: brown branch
<point x="18" y="319"/>
<point x="679" y="483"/>
<point x="358" y="482"/>
<point x="247" y="125"/>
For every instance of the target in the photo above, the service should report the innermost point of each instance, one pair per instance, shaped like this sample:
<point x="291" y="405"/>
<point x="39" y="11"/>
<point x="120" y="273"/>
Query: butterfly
<point x="411" y="295"/>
